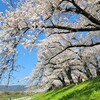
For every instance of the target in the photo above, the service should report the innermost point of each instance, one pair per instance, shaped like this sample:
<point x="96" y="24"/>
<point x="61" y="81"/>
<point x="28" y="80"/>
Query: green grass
<point x="89" y="90"/>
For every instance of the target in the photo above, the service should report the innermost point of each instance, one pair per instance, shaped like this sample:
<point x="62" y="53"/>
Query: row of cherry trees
<point x="68" y="54"/>
<point x="70" y="66"/>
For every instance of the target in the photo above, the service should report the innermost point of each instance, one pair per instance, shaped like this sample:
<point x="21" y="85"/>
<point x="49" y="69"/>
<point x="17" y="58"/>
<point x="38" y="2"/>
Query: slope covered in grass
<point x="89" y="90"/>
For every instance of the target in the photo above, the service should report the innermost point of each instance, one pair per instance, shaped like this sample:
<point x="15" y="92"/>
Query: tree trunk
<point x="68" y="73"/>
<point x="88" y="73"/>
<point x="62" y="80"/>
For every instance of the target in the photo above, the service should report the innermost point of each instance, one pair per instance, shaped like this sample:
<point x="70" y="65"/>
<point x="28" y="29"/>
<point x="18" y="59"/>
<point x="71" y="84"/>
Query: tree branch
<point x="72" y="46"/>
<point x="74" y="29"/>
<point x="86" y="14"/>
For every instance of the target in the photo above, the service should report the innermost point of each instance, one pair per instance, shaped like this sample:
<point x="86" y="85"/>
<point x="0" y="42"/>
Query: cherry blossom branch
<point x="86" y="14"/>
<point x="72" y="46"/>
<point x="70" y="29"/>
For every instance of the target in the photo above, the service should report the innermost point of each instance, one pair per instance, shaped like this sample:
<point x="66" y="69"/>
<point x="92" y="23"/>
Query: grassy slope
<point x="89" y="90"/>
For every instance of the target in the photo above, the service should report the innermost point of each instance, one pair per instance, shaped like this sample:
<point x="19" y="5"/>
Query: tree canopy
<point x="68" y="54"/>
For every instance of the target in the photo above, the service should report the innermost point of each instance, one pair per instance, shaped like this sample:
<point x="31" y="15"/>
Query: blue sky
<point x="2" y="6"/>
<point x="26" y="60"/>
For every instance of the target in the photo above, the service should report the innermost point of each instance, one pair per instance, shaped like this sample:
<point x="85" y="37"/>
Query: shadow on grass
<point x="94" y="85"/>
<point x="50" y="92"/>
<point x="56" y="92"/>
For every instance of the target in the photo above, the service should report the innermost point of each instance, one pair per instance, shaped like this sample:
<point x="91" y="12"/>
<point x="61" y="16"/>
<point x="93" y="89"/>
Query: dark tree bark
<point x="68" y="73"/>
<point x="88" y="73"/>
<point x="62" y="80"/>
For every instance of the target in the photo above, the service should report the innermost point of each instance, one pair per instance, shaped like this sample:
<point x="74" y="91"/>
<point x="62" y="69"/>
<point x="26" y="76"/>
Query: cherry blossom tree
<point x="69" y="25"/>
<point x="69" y="67"/>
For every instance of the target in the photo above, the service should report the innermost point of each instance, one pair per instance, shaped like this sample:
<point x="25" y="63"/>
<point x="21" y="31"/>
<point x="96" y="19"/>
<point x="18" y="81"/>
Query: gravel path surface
<point x="24" y="98"/>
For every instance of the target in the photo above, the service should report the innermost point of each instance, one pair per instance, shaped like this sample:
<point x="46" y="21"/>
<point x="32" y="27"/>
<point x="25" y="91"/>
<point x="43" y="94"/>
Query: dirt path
<point x="24" y="98"/>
